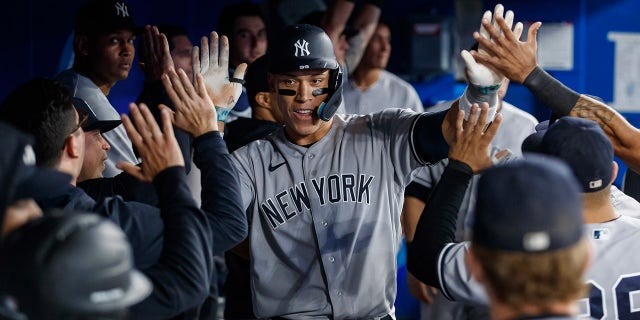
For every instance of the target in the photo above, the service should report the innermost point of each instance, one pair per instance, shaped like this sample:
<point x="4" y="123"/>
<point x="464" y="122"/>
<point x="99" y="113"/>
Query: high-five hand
<point x="158" y="149"/>
<point x="213" y="65"/>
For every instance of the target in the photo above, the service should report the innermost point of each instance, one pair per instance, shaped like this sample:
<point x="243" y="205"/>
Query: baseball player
<point x="589" y="154"/>
<point x="323" y="194"/>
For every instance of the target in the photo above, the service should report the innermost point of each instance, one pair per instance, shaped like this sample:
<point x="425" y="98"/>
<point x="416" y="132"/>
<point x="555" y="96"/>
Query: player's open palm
<point x="158" y="149"/>
<point x="213" y="65"/>
<point x="155" y="58"/>
<point x="194" y="110"/>
<point x="473" y="139"/>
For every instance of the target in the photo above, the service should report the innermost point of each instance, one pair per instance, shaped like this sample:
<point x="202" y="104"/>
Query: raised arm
<point x="517" y="60"/>
<point x="365" y="22"/>
<point x="196" y="114"/>
<point x="183" y="272"/>
<point x="469" y="154"/>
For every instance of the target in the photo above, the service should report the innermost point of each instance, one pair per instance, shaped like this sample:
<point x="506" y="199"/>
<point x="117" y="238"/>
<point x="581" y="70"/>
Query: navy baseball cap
<point x="19" y="176"/>
<point x="582" y="145"/>
<point x="99" y="16"/>
<point x="91" y="121"/>
<point x="528" y="205"/>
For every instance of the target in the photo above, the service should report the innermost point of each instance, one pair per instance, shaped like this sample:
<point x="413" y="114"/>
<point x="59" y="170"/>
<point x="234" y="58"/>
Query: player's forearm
<point x="564" y="101"/>
<point x="367" y="20"/>
<point x="437" y="224"/>
<point x="555" y="95"/>
<point x="336" y="18"/>
<point x="182" y="275"/>
<point x="221" y="199"/>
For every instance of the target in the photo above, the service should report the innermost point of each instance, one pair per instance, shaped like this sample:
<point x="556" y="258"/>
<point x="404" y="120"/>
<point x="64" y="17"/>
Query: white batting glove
<point x="214" y="67"/>
<point x="485" y="82"/>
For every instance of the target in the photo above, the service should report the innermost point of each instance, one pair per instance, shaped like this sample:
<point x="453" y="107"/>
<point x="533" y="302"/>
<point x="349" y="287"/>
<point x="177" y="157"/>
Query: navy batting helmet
<point x="71" y="264"/>
<point x="304" y="46"/>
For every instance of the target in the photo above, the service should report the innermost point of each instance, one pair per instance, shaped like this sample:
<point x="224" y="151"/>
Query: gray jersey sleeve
<point x="455" y="279"/>
<point x="393" y="125"/>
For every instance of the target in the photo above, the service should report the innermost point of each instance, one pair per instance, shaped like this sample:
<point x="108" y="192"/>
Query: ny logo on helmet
<point x="122" y="9"/>
<point x="302" y="49"/>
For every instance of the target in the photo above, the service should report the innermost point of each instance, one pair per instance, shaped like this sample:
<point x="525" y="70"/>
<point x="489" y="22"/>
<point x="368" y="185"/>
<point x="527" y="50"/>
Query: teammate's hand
<point x="504" y="52"/>
<point x="479" y="74"/>
<point x="473" y="139"/>
<point x="158" y="149"/>
<point x="194" y="110"/>
<point x="214" y="67"/>
<point x="155" y="57"/>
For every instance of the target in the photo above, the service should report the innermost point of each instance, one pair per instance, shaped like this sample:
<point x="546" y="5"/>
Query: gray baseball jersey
<point x="390" y="91"/>
<point x="121" y="148"/>
<point x="614" y="273"/>
<point x="325" y="220"/>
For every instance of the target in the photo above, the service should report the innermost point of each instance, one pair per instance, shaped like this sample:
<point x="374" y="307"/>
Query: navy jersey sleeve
<point x="437" y="225"/>
<point x="183" y="273"/>
<point x="221" y="199"/>
<point x="124" y="185"/>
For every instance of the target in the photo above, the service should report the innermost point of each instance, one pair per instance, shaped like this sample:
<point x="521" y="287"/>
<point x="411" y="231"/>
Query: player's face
<point x="95" y="155"/>
<point x="181" y="54"/>
<point x="112" y="56"/>
<point x="248" y="41"/>
<point x="298" y="112"/>
<point x="379" y="48"/>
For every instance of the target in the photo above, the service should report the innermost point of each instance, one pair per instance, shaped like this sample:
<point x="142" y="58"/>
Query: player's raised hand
<point x="213" y="65"/>
<point x="158" y="149"/>
<point x="194" y="110"/>
<point x="473" y="139"/>
<point x="504" y="52"/>
<point x="155" y="57"/>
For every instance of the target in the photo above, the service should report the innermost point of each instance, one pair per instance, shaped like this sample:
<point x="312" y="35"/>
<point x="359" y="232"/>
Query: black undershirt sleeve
<point x="427" y="138"/>
<point x="437" y="224"/>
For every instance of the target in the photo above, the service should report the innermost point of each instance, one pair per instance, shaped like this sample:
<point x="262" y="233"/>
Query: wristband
<point x="222" y="113"/>
<point x="555" y="95"/>
<point x="476" y="94"/>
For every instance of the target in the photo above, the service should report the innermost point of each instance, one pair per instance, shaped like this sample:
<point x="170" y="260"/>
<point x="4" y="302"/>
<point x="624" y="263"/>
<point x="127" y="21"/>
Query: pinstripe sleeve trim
<point x="441" y="270"/>
<point x="411" y="141"/>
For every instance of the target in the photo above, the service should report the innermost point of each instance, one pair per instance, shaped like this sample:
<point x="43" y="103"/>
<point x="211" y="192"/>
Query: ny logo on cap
<point x="122" y="9"/>
<point x="302" y="49"/>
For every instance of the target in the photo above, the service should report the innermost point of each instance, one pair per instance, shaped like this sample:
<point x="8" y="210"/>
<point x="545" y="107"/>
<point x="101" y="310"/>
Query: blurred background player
<point x="104" y="51"/>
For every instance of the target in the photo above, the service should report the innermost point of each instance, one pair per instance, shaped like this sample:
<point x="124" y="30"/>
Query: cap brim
<point x="103" y="126"/>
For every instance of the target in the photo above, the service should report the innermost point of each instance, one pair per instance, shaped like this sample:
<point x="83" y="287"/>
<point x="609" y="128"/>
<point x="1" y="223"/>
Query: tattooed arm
<point x="624" y="137"/>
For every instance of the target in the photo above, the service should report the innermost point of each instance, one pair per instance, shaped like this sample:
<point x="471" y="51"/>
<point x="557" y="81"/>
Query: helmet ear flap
<point x="329" y="107"/>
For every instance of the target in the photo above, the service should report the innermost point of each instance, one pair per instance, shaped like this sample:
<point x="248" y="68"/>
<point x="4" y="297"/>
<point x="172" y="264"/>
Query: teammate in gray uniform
<point x="583" y="145"/>
<point x="371" y="88"/>
<point x="323" y="195"/>
<point x="516" y="126"/>
<point x="104" y="50"/>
